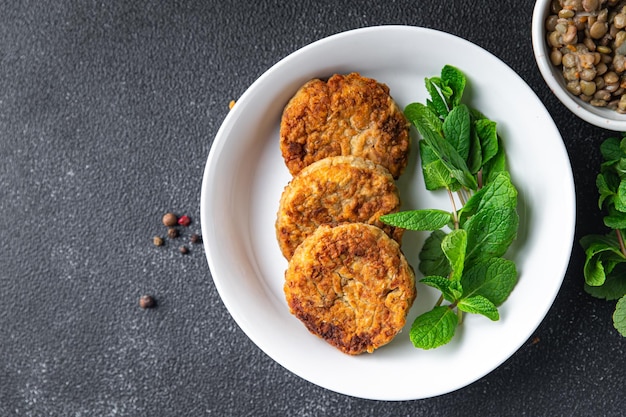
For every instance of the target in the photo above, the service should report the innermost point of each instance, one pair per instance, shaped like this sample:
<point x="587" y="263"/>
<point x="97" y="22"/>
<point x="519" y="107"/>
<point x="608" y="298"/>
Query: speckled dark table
<point x="107" y="114"/>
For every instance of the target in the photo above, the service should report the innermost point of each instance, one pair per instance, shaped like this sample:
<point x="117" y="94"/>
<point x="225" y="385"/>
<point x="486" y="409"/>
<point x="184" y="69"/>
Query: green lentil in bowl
<point x="587" y="41"/>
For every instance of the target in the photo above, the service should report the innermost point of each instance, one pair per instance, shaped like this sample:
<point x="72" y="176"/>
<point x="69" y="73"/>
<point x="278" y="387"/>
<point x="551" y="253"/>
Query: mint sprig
<point x="605" y="260"/>
<point x="463" y="256"/>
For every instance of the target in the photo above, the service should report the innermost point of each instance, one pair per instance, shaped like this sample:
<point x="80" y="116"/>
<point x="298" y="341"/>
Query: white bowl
<point x="245" y="176"/>
<point x="598" y="116"/>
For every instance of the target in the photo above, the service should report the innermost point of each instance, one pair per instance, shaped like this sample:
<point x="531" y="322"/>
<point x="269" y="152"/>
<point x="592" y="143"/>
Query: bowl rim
<point x="601" y="117"/>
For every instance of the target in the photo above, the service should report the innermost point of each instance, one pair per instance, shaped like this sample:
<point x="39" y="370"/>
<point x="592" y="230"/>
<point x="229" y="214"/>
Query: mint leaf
<point x="434" y="328"/>
<point x="479" y="305"/>
<point x="598" y="250"/>
<point x="475" y="157"/>
<point x="490" y="232"/>
<point x="454" y="246"/>
<point x="500" y="192"/>
<point x="456" y="129"/>
<point x="427" y="219"/>
<point x="451" y="291"/>
<point x="455" y="80"/>
<point x="604" y="190"/>
<point x="436" y="102"/>
<point x="493" y="279"/>
<point x="425" y="121"/>
<point x="619" y="317"/>
<point x="611" y="150"/>
<point x="615" y="221"/>
<point x="614" y="287"/>
<point x="487" y="133"/>
<point x="494" y="166"/>
<point x="432" y="259"/>
<point x="436" y="175"/>
<point x="620" y="198"/>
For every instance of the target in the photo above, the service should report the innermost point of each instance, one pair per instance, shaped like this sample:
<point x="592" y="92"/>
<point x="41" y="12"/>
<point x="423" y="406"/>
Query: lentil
<point x="170" y="219"/>
<point x="147" y="301"/>
<point x="587" y="40"/>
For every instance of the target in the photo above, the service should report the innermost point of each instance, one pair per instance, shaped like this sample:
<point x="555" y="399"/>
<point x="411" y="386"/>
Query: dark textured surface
<point x="107" y="113"/>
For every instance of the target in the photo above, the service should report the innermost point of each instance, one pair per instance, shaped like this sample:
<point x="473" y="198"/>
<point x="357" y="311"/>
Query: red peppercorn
<point x="147" y="301"/>
<point x="184" y="221"/>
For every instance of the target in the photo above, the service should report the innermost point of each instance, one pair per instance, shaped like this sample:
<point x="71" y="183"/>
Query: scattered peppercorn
<point x="157" y="240"/>
<point x="170" y="219"/>
<point x="196" y="238"/>
<point x="172" y="233"/>
<point x="184" y="250"/>
<point x="184" y="221"/>
<point x="147" y="301"/>
<point x="231" y="104"/>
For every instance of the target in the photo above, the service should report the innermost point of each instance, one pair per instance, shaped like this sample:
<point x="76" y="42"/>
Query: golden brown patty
<point x="331" y="191"/>
<point x="347" y="115"/>
<point x="350" y="285"/>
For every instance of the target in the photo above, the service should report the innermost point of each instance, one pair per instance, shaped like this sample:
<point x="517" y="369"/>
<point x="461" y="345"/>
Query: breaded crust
<point x="350" y="285"/>
<point x="347" y="115"/>
<point x="331" y="191"/>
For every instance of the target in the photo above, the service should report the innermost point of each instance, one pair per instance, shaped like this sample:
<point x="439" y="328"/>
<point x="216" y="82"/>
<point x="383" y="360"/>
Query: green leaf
<point x="475" y="157"/>
<point x="451" y="291"/>
<point x="456" y="129"/>
<point x="436" y="102"/>
<point x="454" y="246"/>
<point x="599" y="249"/>
<point x="429" y="128"/>
<point x="494" y="166"/>
<point x="611" y="150"/>
<point x="490" y="232"/>
<point x="614" y="287"/>
<point x="604" y="190"/>
<point x="436" y="175"/>
<point x="479" y="305"/>
<point x="427" y="219"/>
<point x="594" y="271"/>
<point x="487" y="132"/>
<point x="493" y="279"/>
<point x="620" y="198"/>
<point x="432" y="259"/>
<point x="434" y="328"/>
<point x="455" y="79"/>
<point x="619" y="317"/>
<point x="500" y="192"/>
<point x="617" y="220"/>
<point x="417" y="113"/>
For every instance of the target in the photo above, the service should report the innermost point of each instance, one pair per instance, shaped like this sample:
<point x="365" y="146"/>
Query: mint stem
<point x="439" y="301"/>
<point x="454" y="213"/>
<point x="620" y="239"/>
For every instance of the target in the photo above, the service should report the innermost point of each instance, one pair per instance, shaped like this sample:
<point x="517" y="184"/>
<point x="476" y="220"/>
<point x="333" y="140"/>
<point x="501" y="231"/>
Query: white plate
<point x="245" y="176"/>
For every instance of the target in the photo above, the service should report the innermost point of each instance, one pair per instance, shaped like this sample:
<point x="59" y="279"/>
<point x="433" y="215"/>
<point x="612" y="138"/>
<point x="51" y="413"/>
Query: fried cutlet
<point x="350" y="285"/>
<point x="331" y="191"/>
<point x="346" y="115"/>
